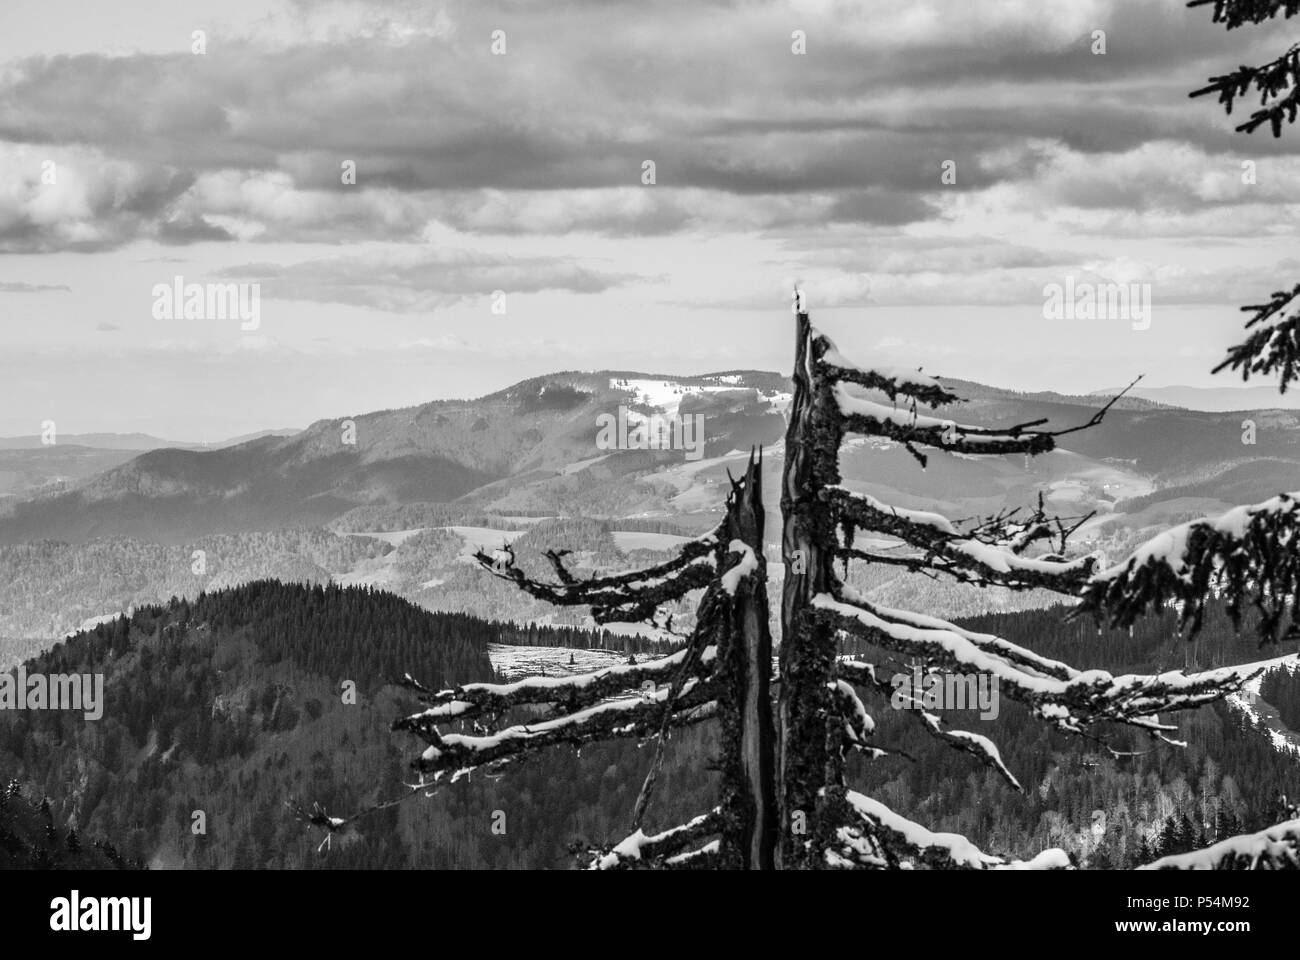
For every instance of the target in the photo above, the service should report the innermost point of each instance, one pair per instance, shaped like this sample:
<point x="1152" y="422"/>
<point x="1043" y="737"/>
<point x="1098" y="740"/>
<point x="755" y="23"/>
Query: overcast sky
<point x="523" y="171"/>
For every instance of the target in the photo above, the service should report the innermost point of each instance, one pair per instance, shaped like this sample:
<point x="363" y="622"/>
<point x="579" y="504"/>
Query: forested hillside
<point x="1111" y="811"/>
<point x="31" y="838"/>
<point x="234" y="704"/>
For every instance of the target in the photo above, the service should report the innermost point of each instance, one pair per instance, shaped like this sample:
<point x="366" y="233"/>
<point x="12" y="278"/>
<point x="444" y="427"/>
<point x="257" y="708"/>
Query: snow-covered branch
<point x="878" y="837"/>
<point x="568" y="693"/>
<point x="858" y="725"/>
<point x="910" y="428"/>
<point x="1274" y="347"/>
<point x="966" y="557"/>
<point x="632" y="717"/>
<point x="979" y="746"/>
<point x="640" y="850"/>
<point x="1250" y="553"/>
<point x="624" y="597"/>
<point x="1069" y="699"/>
<point x="894" y="382"/>
<point x="1277" y="848"/>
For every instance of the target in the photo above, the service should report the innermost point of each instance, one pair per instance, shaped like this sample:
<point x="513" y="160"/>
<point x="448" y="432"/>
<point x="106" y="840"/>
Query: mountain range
<point x="532" y="450"/>
<point x="30" y="465"/>
<point x="1214" y="399"/>
<point x="400" y="499"/>
<point x="228" y="592"/>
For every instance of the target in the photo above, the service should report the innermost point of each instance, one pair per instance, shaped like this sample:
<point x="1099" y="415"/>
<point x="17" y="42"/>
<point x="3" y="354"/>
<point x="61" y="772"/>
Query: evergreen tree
<point x="1274" y="346"/>
<point x="1143" y="854"/>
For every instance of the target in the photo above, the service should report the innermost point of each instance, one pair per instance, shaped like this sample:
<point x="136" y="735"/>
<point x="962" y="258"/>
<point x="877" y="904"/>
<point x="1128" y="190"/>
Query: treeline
<point x="583" y="638"/>
<point x="1281" y="688"/>
<point x="650" y="525"/>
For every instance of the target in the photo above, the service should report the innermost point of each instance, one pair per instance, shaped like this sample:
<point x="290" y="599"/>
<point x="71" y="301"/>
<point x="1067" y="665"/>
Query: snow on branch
<point x="891" y="381"/>
<point x="879" y="837"/>
<point x="568" y="693"/>
<point x="708" y="857"/>
<point x="1274" y="347"/>
<point x="746" y="567"/>
<point x="911" y="428"/>
<point x="1249" y="553"/>
<point x="624" y="597"/>
<point x="624" y="718"/>
<point x="990" y="554"/>
<point x="979" y="746"/>
<point x="858" y="725"/>
<point x="641" y="851"/>
<point x="1277" y="848"/>
<point x="1071" y="702"/>
<point x="908" y="427"/>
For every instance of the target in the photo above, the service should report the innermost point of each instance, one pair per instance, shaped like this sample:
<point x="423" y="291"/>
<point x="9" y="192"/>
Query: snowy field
<point x="628" y="540"/>
<point x="393" y="537"/>
<point x="516" y="663"/>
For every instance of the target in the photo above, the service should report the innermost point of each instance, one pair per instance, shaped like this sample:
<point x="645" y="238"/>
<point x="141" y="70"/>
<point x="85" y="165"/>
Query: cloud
<point x="247" y="141"/>
<point x="79" y="199"/>
<point x="422" y="280"/>
<point x="21" y="287"/>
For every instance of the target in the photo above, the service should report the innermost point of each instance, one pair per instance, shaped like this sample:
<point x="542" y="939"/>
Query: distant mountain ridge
<point x="531" y="450"/>
<point x="1215" y="399"/>
<point x="134" y="441"/>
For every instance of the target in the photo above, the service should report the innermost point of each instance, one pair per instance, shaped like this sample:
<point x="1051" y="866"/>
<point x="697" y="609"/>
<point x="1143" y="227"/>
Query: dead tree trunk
<point x="807" y="646"/>
<point x="749" y="803"/>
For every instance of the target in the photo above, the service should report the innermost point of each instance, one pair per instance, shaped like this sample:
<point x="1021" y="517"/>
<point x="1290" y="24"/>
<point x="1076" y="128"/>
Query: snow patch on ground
<point x="627" y="541"/>
<point x="486" y="539"/>
<point x="663" y="395"/>
<point x="515" y="663"/>
<point x="1248" y="702"/>
<point x="393" y="537"/>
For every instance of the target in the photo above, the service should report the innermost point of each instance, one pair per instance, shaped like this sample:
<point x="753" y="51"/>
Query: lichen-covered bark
<point x="807" y="645"/>
<point x="749" y="805"/>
